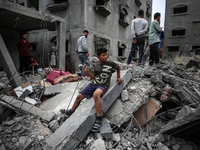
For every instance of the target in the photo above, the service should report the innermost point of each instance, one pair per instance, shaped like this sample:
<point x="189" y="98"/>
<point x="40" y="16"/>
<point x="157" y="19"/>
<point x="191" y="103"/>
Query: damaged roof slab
<point x="22" y="18"/>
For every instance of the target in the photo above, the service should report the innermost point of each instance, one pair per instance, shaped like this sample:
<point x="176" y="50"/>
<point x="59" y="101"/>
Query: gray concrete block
<point x="121" y="112"/>
<point x="106" y="130"/>
<point x="98" y="144"/>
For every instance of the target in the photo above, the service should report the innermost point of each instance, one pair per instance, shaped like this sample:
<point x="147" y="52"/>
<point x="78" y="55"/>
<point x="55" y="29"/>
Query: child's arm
<point x="119" y="80"/>
<point x="36" y="63"/>
<point x="88" y="72"/>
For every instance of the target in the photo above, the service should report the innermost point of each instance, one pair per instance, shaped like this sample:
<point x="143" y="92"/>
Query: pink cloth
<point x="55" y="74"/>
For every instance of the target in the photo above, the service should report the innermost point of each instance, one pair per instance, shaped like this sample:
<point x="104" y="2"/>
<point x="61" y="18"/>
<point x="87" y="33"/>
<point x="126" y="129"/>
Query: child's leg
<point x="97" y="100"/>
<point x="69" y="112"/>
<point x="79" y="98"/>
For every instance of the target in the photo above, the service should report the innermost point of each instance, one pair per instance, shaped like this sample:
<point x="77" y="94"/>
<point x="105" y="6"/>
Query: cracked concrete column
<point x="8" y="65"/>
<point x="61" y="43"/>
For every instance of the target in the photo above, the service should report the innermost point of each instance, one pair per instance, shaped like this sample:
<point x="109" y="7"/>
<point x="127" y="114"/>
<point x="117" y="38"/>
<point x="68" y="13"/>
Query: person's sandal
<point x="66" y="112"/>
<point x="97" y="125"/>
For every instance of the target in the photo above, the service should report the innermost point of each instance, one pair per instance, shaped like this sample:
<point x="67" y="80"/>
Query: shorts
<point x="90" y="88"/>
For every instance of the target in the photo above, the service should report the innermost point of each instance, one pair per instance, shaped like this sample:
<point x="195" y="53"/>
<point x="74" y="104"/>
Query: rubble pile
<point x="156" y="108"/>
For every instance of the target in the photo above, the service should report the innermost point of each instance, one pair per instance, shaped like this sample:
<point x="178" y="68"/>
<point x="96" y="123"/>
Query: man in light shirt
<point x="138" y="29"/>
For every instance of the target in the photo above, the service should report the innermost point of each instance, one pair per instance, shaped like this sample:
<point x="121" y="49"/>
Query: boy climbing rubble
<point x="99" y="85"/>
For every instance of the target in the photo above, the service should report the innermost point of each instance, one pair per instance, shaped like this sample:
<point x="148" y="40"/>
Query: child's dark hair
<point x="85" y="31"/>
<point x="30" y="57"/>
<point x="101" y="50"/>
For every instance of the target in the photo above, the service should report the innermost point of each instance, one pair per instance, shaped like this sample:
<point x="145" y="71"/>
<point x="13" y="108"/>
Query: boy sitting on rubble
<point x="99" y="85"/>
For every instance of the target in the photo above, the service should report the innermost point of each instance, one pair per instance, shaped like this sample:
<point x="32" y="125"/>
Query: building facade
<point x="108" y="23"/>
<point x="182" y="27"/>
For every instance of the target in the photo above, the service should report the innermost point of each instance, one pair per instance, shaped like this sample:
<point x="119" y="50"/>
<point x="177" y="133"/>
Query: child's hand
<point x="119" y="80"/>
<point x="85" y="67"/>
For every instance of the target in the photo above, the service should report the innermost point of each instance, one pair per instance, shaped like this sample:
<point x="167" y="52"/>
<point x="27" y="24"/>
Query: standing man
<point x="23" y="47"/>
<point x="138" y="29"/>
<point x="154" y="40"/>
<point x="82" y="50"/>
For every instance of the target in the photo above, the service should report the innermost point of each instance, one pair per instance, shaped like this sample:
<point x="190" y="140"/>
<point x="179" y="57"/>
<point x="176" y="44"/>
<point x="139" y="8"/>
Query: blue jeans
<point x="140" y="43"/>
<point x="83" y="58"/>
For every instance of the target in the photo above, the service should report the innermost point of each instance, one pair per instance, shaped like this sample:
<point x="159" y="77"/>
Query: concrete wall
<point x="81" y="15"/>
<point x="190" y="21"/>
<point x="42" y="40"/>
<point x="109" y="27"/>
<point x="11" y="37"/>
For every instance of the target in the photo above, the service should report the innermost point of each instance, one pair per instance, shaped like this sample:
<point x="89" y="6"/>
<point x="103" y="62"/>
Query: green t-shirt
<point x="153" y="32"/>
<point x="103" y="73"/>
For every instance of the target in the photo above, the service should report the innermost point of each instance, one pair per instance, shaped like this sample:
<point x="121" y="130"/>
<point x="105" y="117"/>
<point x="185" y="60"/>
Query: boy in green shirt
<point x="99" y="85"/>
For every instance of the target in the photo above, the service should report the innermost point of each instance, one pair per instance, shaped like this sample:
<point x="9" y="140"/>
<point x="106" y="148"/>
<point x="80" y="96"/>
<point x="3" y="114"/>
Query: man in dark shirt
<point x="23" y="47"/>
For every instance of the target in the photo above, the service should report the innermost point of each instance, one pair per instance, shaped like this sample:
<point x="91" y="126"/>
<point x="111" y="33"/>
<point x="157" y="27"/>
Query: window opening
<point x="180" y="9"/>
<point x="173" y="48"/>
<point x="178" y="32"/>
<point x="60" y="1"/>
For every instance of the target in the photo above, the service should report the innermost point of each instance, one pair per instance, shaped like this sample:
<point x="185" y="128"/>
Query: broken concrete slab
<point x="6" y="60"/>
<point x="173" y="79"/>
<point x="65" y="98"/>
<point x="23" y="106"/>
<point x="186" y="127"/>
<point x="121" y="112"/>
<point x="106" y="130"/>
<point x="184" y="111"/>
<point x="147" y="111"/>
<point x="183" y="95"/>
<point x="68" y="136"/>
<point x="60" y="88"/>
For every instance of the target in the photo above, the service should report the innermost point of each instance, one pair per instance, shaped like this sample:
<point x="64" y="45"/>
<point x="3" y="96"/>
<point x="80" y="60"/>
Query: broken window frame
<point x="138" y="3"/>
<point x="121" y="51"/>
<point x="27" y="3"/>
<point x="148" y="10"/>
<point x="101" y="42"/>
<point x="122" y="15"/>
<point x="102" y="2"/>
<point x="61" y="1"/>
<point x="101" y="8"/>
<point x="181" y="6"/>
<point x="178" y="29"/>
<point x="173" y="48"/>
<point x="58" y="6"/>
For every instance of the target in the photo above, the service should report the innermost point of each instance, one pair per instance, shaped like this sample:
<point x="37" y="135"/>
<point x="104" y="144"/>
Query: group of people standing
<point x="155" y="40"/>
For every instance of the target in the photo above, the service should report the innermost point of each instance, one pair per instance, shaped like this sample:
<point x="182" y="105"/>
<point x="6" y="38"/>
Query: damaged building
<point x="182" y="26"/>
<point x="94" y="16"/>
<point x="154" y="108"/>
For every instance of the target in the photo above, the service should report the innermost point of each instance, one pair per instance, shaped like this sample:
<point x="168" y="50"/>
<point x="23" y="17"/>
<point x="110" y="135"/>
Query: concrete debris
<point x="98" y="144"/>
<point x="106" y="130"/>
<point x="67" y="134"/>
<point x="154" y="108"/>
